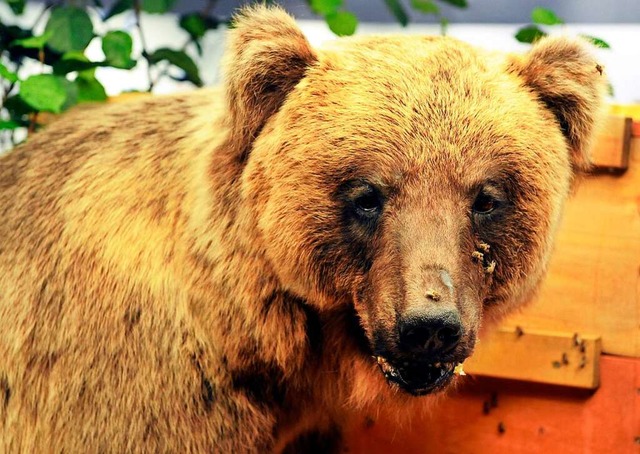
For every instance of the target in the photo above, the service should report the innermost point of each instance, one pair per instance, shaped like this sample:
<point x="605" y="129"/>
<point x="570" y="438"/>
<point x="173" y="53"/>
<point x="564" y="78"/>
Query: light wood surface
<point x="568" y="359"/>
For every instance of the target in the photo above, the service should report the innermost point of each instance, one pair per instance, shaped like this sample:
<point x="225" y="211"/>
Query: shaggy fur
<point x="185" y="274"/>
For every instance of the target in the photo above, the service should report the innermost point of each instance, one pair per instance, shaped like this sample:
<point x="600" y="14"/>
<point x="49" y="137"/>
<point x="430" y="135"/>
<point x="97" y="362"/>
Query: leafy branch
<point x="542" y="18"/>
<point x="345" y="23"/>
<point x="67" y="76"/>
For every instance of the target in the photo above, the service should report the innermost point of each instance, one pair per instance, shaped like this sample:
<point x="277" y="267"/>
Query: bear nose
<point x="431" y="334"/>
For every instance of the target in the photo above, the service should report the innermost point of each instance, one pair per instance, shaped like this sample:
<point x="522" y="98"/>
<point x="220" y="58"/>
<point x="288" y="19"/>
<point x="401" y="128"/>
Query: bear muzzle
<point x="429" y="346"/>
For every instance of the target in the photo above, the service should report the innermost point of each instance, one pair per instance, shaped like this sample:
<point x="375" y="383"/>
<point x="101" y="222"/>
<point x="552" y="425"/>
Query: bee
<point x="484" y="247"/>
<point x="576" y="340"/>
<point x="490" y="268"/>
<point x="433" y="295"/>
<point x="459" y="370"/>
<point x="494" y="399"/>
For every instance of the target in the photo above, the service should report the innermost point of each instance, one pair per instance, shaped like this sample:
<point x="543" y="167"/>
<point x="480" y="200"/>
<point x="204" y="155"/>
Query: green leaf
<point x="72" y="94"/>
<point x="194" y="24"/>
<point x="17" y="6"/>
<point x="7" y="75"/>
<point x="529" y="34"/>
<point x="544" y="16"/>
<point x="197" y="25"/>
<point x="325" y="7"/>
<point x="90" y="90"/>
<point x="398" y="11"/>
<point x="181" y="60"/>
<point x="425" y="6"/>
<point x="119" y="7"/>
<point x="10" y="124"/>
<point x="596" y="41"/>
<point x="76" y="61"/>
<point x="44" y="92"/>
<point x="342" y="23"/>
<point x="117" y="47"/>
<point x="34" y="42"/>
<point x="10" y="40"/>
<point x="456" y="3"/>
<point x="157" y="6"/>
<point x="70" y="65"/>
<point x="71" y="27"/>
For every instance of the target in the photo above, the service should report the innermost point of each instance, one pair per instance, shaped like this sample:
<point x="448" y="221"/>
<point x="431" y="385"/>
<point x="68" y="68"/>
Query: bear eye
<point x="484" y="204"/>
<point x="368" y="203"/>
<point x="486" y="201"/>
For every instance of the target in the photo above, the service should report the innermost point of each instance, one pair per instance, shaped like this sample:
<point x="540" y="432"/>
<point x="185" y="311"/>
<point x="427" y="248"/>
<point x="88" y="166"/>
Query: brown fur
<point x="182" y="274"/>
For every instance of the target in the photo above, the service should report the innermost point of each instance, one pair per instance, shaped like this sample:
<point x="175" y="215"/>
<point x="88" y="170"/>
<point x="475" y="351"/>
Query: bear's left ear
<point x="267" y="55"/>
<point x="567" y="79"/>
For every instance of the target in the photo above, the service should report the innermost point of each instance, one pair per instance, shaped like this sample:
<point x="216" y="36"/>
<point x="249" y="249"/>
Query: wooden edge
<point x="613" y="144"/>
<point x="565" y="359"/>
<point x="626" y="142"/>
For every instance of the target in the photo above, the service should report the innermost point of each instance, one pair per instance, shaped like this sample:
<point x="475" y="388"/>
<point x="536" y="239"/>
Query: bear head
<point x="418" y="180"/>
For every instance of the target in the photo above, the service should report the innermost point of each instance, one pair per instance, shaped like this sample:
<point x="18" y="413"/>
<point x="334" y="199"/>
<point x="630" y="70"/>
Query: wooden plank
<point x="593" y="283"/>
<point x="535" y="418"/>
<point x="611" y="148"/>
<point x="565" y="359"/>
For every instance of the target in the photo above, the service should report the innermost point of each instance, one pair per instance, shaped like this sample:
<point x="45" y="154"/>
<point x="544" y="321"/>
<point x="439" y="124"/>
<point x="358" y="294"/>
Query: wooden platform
<point x="538" y="356"/>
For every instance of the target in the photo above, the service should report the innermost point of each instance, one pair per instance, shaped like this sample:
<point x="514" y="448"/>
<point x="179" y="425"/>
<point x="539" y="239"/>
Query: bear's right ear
<point x="267" y="55"/>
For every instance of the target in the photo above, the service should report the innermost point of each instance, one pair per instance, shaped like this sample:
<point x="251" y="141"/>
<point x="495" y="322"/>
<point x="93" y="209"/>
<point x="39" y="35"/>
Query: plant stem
<point x="145" y="54"/>
<point x="33" y="121"/>
<point x="6" y="92"/>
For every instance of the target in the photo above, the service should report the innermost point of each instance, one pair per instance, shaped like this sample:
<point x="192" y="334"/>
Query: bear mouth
<point x="418" y="378"/>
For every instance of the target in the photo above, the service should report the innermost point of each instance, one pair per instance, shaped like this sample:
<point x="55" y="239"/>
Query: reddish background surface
<point x="536" y="419"/>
